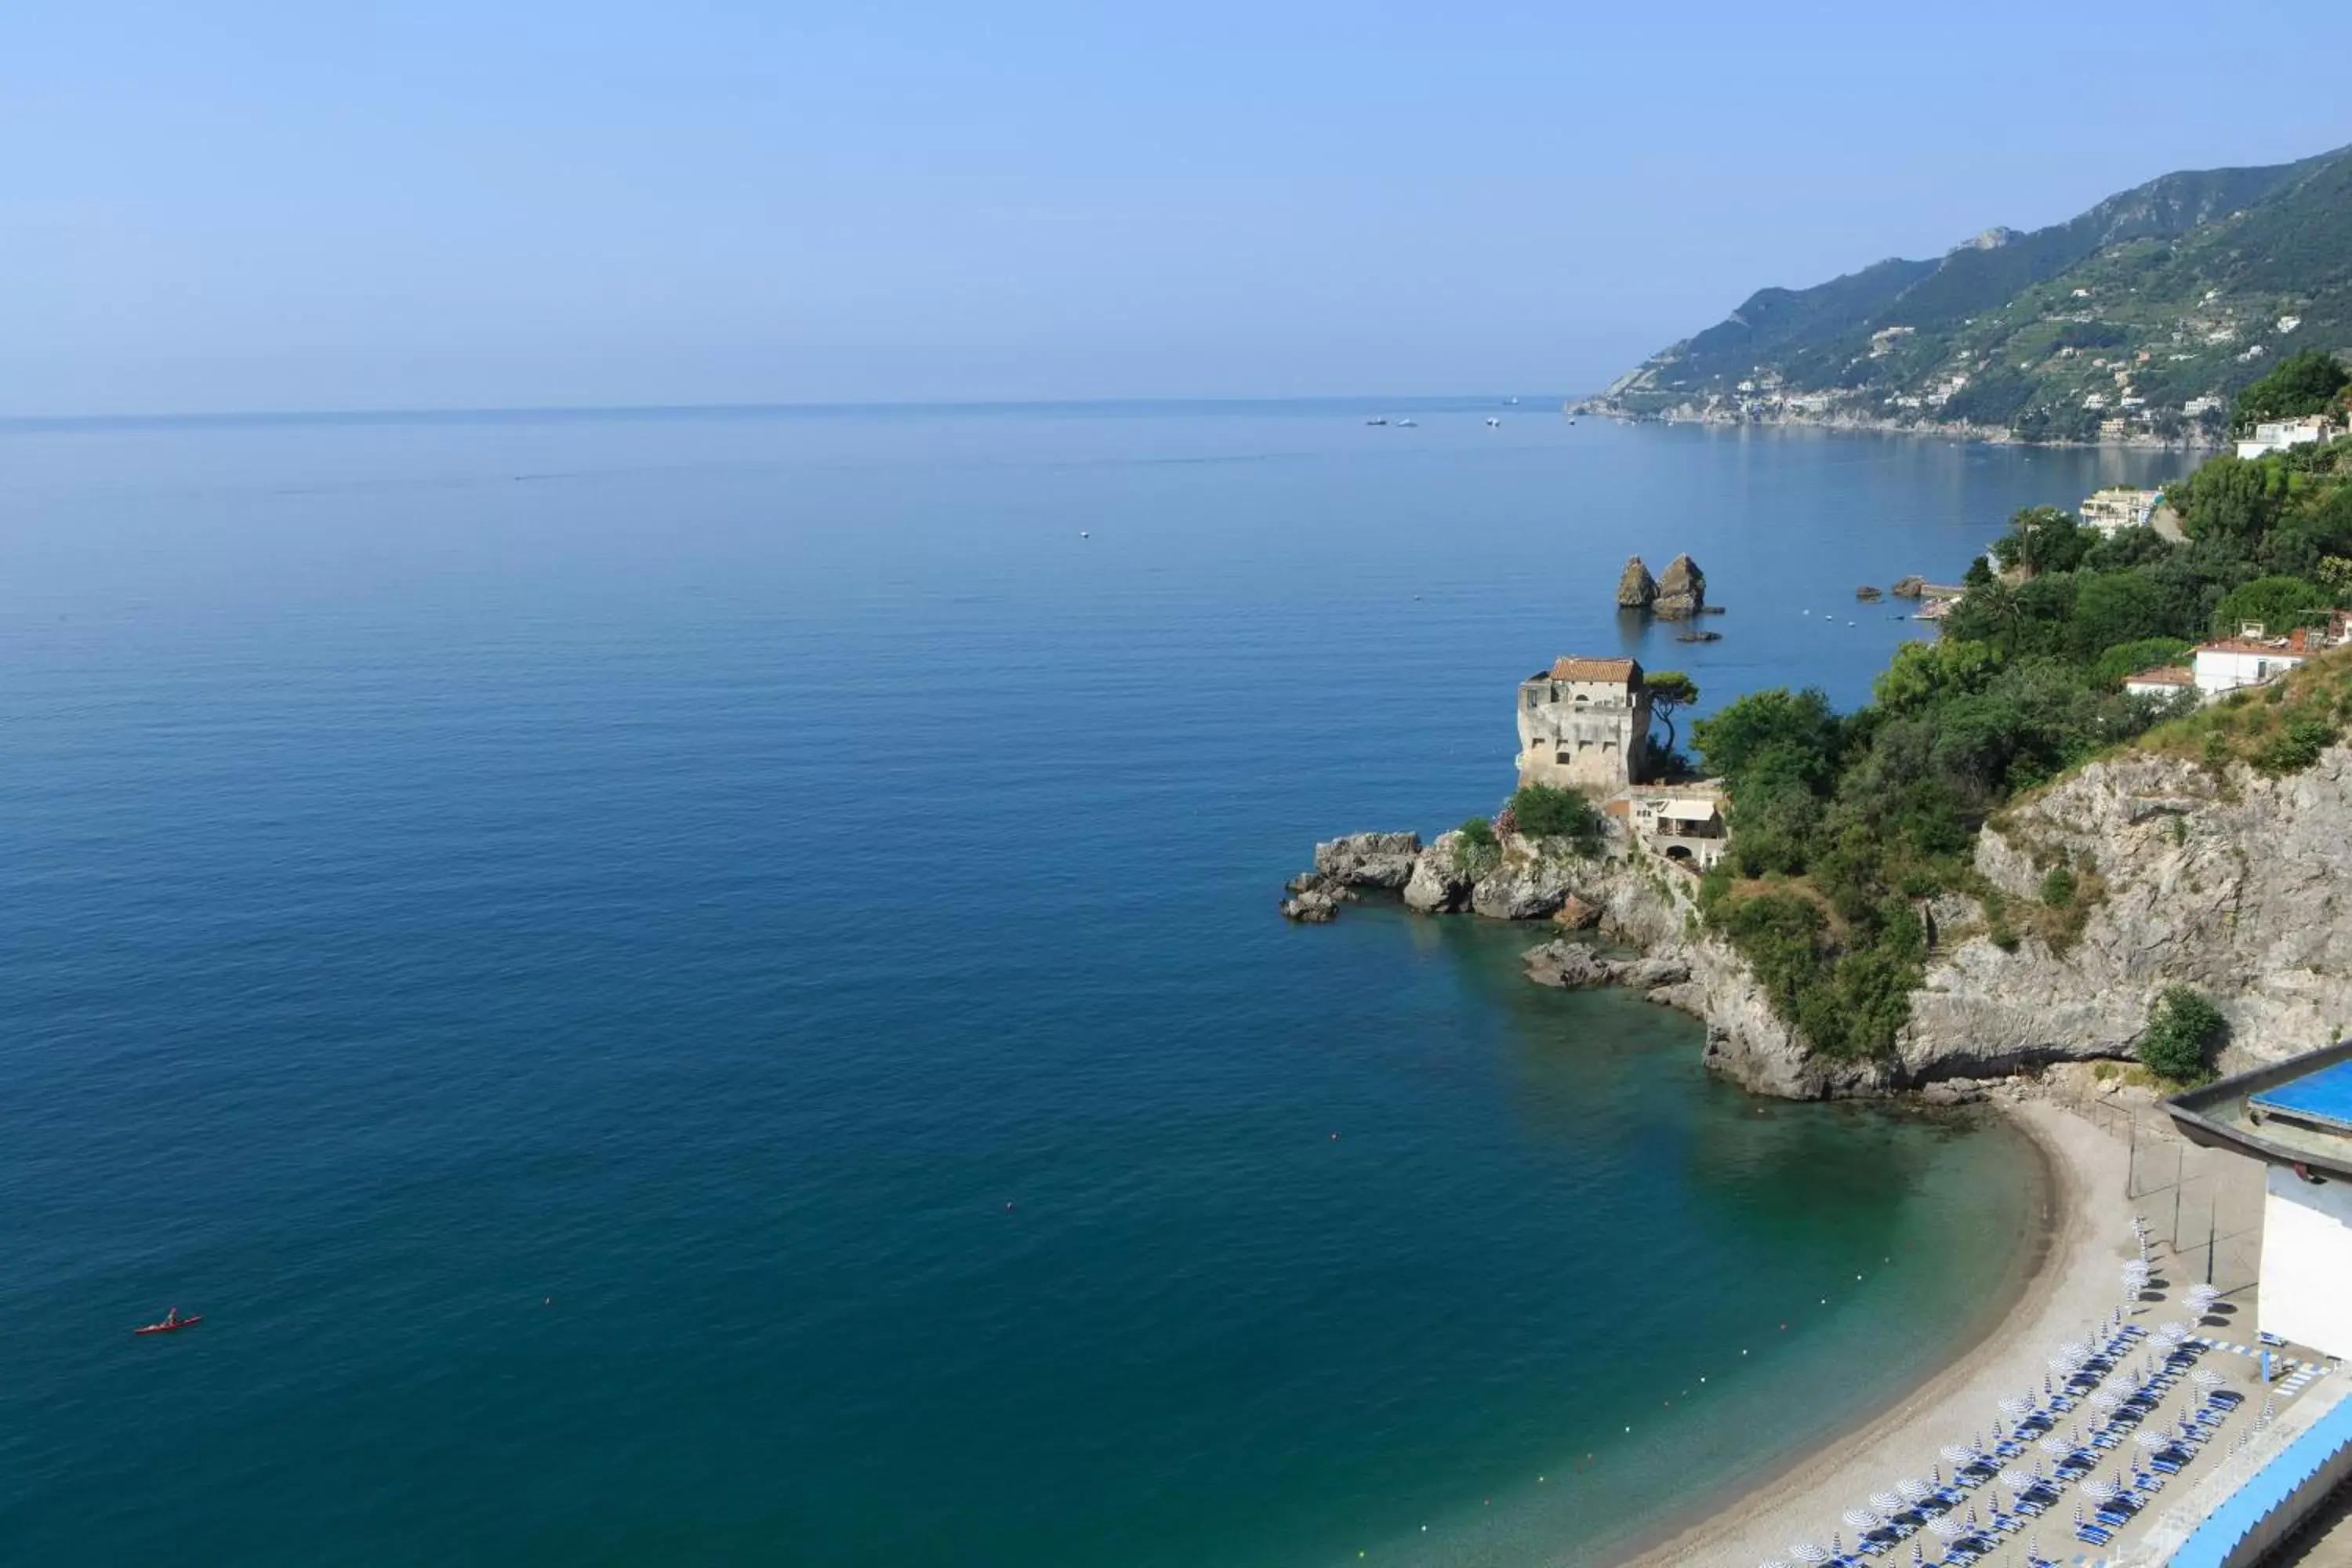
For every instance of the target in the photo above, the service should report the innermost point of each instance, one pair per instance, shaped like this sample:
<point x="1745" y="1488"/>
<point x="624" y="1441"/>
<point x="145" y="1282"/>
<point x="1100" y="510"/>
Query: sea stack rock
<point x="1682" y="592"/>
<point x="1635" y="588"/>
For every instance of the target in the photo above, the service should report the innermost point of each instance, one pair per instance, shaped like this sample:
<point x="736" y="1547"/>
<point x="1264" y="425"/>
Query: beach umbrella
<point x="2107" y="1401"/>
<point x="2098" y="1490"/>
<point x="1972" y="1516"/>
<point x="1914" y="1489"/>
<point x="2154" y="1442"/>
<point x="2075" y="1350"/>
<point x="2206" y="1377"/>
<point x="2016" y="1407"/>
<point x="1806" y="1551"/>
<point x="1772" y="1563"/>
<point x="1917" y="1555"/>
<point x="1947" y="1527"/>
<point x="2054" y="1445"/>
<point x="2175" y="1332"/>
<point x="1960" y="1456"/>
<point x="2015" y="1478"/>
<point x="1888" y="1502"/>
<point x="2045" y="1386"/>
<point x="1935" y="1474"/>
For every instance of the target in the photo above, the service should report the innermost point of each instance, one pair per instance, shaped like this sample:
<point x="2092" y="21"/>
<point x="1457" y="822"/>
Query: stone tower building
<point x="1584" y="722"/>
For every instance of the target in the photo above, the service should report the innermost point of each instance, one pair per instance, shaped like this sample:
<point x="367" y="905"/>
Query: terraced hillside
<point x="2138" y="320"/>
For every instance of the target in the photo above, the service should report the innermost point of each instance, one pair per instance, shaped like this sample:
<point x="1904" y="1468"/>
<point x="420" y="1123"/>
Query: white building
<point x="2119" y="507"/>
<point x="1684" y="823"/>
<point x="2250" y="659"/>
<point x="2165" y="680"/>
<point x="2296" y="1118"/>
<point x="2279" y="434"/>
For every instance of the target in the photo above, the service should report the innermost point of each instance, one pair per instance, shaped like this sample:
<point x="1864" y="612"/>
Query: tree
<point x="2277" y="603"/>
<point x="2231" y="497"/>
<point x="2183" y="1032"/>
<point x="1670" y="692"/>
<point x="1922" y="674"/>
<point x="2302" y="384"/>
<point x="1797" y="728"/>
<point x="2044" y="538"/>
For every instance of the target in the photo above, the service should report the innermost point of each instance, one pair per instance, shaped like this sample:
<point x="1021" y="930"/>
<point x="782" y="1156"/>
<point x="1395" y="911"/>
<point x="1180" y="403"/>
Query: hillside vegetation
<point x="1846" y="828"/>
<point x="2141" y="317"/>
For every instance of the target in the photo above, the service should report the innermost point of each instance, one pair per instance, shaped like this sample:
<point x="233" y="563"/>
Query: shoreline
<point x="2065" y="1281"/>
<point x="1989" y="434"/>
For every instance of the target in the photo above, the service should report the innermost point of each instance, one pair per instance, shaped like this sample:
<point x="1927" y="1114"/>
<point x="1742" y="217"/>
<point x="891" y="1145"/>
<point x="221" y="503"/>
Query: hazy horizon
<point x="267" y="208"/>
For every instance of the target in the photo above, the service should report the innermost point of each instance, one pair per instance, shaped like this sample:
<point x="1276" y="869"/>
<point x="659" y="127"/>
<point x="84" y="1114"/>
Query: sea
<point x="704" y="987"/>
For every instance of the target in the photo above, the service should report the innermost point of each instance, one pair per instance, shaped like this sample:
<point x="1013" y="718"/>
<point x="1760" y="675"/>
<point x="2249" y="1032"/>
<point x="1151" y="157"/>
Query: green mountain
<point x="2141" y="318"/>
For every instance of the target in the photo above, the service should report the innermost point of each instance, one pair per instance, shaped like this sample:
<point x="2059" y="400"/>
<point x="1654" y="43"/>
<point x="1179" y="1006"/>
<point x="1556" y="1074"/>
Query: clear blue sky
<point x="318" y="204"/>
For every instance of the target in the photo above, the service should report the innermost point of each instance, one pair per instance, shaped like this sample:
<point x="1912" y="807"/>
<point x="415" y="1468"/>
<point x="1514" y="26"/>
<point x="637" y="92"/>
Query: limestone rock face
<point x="1435" y="886"/>
<point x="2237" y="885"/>
<point x="1681" y="591"/>
<point x="1532" y="881"/>
<point x="1635" y="588"/>
<point x="1368" y="859"/>
<point x="1575" y="914"/>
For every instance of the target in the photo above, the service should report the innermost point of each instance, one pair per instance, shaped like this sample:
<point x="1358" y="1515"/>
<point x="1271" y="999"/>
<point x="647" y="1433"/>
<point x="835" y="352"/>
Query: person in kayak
<point x="171" y="1318"/>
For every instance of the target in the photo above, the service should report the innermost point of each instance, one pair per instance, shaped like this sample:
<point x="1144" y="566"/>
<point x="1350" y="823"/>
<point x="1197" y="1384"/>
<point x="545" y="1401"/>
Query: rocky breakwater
<point x="2218" y="878"/>
<point x="1614" y="889"/>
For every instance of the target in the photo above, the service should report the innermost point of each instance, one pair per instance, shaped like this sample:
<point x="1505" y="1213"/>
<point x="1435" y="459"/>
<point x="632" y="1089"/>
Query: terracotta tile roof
<point x="2163" y="675"/>
<point x="2239" y="644"/>
<point x="1570" y="667"/>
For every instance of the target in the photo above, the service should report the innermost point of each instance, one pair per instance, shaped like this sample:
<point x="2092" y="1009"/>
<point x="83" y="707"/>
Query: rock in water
<point x="1867" y="595"/>
<point x="1312" y="908"/>
<point x="1570" y="965"/>
<point x="1635" y="588"/>
<point x="1438" y="886"/>
<point x="1682" y="592"/>
<point x="1909" y="586"/>
<point x="1368" y="859"/>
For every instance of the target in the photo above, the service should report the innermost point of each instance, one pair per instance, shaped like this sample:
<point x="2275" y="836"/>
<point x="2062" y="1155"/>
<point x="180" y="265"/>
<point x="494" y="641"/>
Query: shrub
<point x="2058" y="887"/>
<point x="2183" y="1032"/>
<point x="2294" y="748"/>
<point x="1546" y="811"/>
<point x="1478" y="851"/>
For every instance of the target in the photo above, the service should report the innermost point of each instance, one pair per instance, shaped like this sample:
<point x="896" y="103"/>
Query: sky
<point x="249" y="205"/>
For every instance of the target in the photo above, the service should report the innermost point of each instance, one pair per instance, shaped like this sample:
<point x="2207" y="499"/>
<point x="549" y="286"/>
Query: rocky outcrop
<point x="1575" y="914"/>
<point x="2235" y="884"/>
<point x="1681" y="591"/>
<point x="1910" y="585"/>
<point x="1533" y="878"/>
<point x="1439" y="886"/>
<point x="1310" y="906"/>
<point x="1635" y="588"/>
<point x="1368" y="859"/>
<point x="1627" y="897"/>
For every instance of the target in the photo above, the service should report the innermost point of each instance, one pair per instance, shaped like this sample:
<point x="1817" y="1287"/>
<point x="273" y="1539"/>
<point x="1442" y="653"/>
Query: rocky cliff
<point x="2221" y="880"/>
<point x="2226" y="882"/>
<point x="1632" y="897"/>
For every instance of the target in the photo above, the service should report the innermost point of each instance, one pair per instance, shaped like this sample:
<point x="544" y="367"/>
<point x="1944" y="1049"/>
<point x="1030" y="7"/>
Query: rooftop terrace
<point x="2295" y="1113"/>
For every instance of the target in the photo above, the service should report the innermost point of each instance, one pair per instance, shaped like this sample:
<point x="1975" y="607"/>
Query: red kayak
<point x="168" y="1325"/>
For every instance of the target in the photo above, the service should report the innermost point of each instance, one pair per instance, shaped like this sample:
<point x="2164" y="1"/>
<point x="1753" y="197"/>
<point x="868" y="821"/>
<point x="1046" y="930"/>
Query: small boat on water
<point x="1376" y="419"/>
<point x="1493" y="423"/>
<point x="172" y="1321"/>
<point x="1406" y="424"/>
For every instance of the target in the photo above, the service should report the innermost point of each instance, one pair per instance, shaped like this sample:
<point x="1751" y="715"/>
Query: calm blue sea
<point x="705" y="988"/>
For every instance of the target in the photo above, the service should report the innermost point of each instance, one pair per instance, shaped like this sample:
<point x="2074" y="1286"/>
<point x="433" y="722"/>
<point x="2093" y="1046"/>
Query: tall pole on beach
<point x="2179" y="1158"/>
<point x="2212" y="1229"/>
<point x="2131" y="1159"/>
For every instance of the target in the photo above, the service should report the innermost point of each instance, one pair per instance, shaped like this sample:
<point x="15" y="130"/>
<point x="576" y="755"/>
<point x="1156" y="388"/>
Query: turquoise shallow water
<point x="707" y="989"/>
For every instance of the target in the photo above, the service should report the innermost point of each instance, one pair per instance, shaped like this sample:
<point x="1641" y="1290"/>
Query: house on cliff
<point x="1585" y="723"/>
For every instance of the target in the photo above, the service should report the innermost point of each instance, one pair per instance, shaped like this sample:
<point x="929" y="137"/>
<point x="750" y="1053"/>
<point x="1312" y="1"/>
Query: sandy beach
<point x="2071" y="1295"/>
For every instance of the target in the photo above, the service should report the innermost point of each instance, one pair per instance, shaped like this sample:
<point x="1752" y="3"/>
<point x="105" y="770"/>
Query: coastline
<point x="1994" y="434"/>
<point x="2066" y="1282"/>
